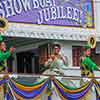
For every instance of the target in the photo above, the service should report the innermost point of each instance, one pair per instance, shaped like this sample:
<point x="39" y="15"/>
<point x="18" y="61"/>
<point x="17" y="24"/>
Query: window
<point x="44" y="52"/>
<point x="76" y="52"/>
<point x="95" y="57"/>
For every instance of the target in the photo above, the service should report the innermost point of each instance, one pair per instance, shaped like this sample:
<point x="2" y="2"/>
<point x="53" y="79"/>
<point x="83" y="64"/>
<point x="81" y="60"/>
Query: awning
<point x="48" y="32"/>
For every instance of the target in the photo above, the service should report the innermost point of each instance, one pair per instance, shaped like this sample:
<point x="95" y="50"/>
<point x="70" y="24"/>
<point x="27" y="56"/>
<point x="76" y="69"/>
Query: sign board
<point x="75" y="13"/>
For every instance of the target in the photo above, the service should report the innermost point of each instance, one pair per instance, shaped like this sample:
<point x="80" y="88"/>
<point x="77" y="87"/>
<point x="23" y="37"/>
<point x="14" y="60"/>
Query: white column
<point x="14" y="68"/>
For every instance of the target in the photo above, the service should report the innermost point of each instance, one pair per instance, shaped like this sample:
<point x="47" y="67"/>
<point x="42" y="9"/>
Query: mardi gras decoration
<point x="21" y="90"/>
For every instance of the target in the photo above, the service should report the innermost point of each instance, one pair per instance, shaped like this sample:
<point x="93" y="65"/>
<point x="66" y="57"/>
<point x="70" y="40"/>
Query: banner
<point x="75" y="13"/>
<point x="68" y="93"/>
<point x="33" y="91"/>
<point x="26" y="91"/>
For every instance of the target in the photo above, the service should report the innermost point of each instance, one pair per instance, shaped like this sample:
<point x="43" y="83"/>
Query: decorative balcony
<point x="49" y="87"/>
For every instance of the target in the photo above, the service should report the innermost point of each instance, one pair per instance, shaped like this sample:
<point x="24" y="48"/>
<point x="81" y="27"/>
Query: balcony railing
<point x="71" y="78"/>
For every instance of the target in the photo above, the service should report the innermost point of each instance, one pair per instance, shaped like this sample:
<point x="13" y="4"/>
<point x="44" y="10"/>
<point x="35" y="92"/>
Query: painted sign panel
<point x="76" y="13"/>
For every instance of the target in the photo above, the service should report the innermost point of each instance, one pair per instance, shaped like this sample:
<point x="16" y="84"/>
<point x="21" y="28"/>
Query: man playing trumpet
<point x="4" y="53"/>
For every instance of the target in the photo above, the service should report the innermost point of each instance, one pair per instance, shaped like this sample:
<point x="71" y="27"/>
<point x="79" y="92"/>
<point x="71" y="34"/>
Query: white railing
<point x="69" y="72"/>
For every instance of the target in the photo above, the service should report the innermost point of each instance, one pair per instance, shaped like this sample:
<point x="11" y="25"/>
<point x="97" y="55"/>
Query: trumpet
<point x="3" y="24"/>
<point x="92" y="41"/>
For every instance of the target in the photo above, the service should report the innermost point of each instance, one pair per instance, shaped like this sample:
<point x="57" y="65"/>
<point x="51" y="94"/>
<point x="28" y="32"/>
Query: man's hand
<point x="2" y="31"/>
<point x="12" y="49"/>
<point x="53" y="57"/>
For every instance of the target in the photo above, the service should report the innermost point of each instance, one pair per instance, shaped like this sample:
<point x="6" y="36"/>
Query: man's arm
<point x="49" y="61"/>
<point x="91" y="65"/>
<point x="4" y="55"/>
